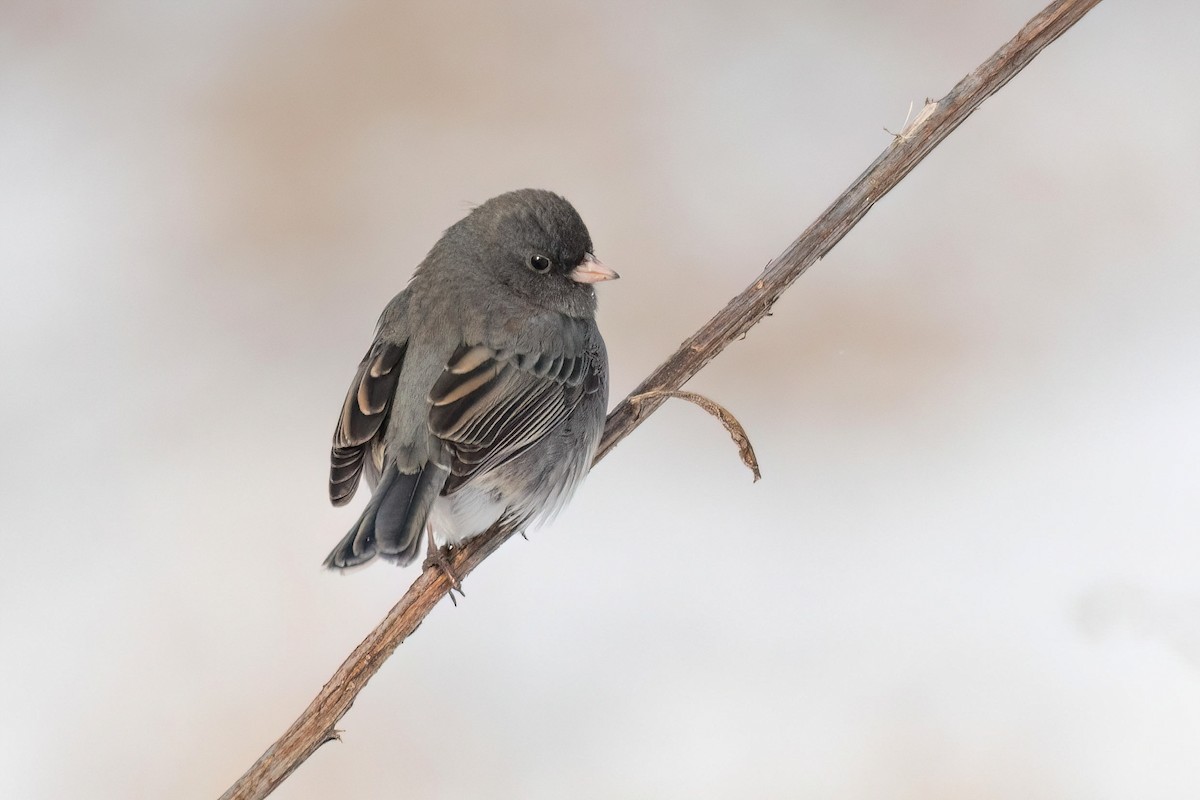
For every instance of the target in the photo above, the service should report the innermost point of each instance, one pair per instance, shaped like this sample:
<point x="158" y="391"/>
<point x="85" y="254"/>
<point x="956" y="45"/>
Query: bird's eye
<point x="539" y="264"/>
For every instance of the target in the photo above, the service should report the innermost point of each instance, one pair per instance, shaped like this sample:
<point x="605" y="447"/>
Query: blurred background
<point x="971" y="569"/>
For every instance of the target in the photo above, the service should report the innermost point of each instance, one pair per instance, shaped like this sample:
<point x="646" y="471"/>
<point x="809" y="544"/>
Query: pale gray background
<point x="971" y="569"/>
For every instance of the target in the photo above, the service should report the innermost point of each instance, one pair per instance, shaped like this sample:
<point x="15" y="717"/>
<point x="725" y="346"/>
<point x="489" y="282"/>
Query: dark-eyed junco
<point x="482" y="398"/>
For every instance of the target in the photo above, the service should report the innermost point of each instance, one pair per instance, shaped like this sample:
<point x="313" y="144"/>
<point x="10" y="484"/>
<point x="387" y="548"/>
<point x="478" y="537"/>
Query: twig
<point x="316" y="725"/>
<point x="740" y="437"/>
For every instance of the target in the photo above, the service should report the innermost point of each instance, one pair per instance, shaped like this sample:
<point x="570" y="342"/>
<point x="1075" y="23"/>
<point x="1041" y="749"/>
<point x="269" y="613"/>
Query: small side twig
<point x="735" y="429"/>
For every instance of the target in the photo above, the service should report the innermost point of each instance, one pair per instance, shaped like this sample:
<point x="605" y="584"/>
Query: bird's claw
<point x="437" y="557"/>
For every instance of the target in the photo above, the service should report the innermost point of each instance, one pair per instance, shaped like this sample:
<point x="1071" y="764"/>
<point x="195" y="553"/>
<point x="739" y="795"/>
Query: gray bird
<point x="482" y="397"/>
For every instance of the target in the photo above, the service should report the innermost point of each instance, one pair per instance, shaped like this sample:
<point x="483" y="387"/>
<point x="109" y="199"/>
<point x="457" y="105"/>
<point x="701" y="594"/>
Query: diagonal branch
<point x="933" y="124"/>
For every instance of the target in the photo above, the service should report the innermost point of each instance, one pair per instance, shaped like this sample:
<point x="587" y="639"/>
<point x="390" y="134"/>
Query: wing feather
<point x="364" y="417"/>
<point x="489" y="406"/>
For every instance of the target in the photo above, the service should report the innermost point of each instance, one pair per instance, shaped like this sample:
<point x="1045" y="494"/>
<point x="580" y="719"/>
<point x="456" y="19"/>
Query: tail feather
<point x="392" y="523"/>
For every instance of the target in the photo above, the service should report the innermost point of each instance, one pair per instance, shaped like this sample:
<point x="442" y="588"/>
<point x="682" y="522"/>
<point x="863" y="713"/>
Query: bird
<point x="482" y="397"/>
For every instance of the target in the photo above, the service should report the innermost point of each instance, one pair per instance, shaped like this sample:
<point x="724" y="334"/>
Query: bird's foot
<point x="438" y="557"/>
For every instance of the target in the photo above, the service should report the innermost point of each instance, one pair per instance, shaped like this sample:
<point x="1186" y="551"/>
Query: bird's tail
<point x="391" y="524"/>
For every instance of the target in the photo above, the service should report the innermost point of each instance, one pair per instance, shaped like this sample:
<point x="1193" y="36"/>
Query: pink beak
<point x="590" y="270"/>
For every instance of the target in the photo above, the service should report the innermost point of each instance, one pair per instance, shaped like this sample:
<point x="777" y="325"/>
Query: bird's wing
<point x="488" y="406"/>
<point x="364" y="417"/>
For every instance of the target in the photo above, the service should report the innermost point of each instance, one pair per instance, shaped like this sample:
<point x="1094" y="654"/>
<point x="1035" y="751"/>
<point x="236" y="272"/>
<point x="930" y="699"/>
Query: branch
<point x="735" y="429"/>
<point x="933" y="124"/>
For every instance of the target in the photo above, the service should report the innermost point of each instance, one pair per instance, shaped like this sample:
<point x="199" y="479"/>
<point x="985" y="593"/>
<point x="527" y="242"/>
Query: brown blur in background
<point x="971" y="569"/>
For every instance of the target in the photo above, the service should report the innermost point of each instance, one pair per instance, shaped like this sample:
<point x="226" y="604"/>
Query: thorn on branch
<point x="735" y="429"/>
<point x="910" y="128"/>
